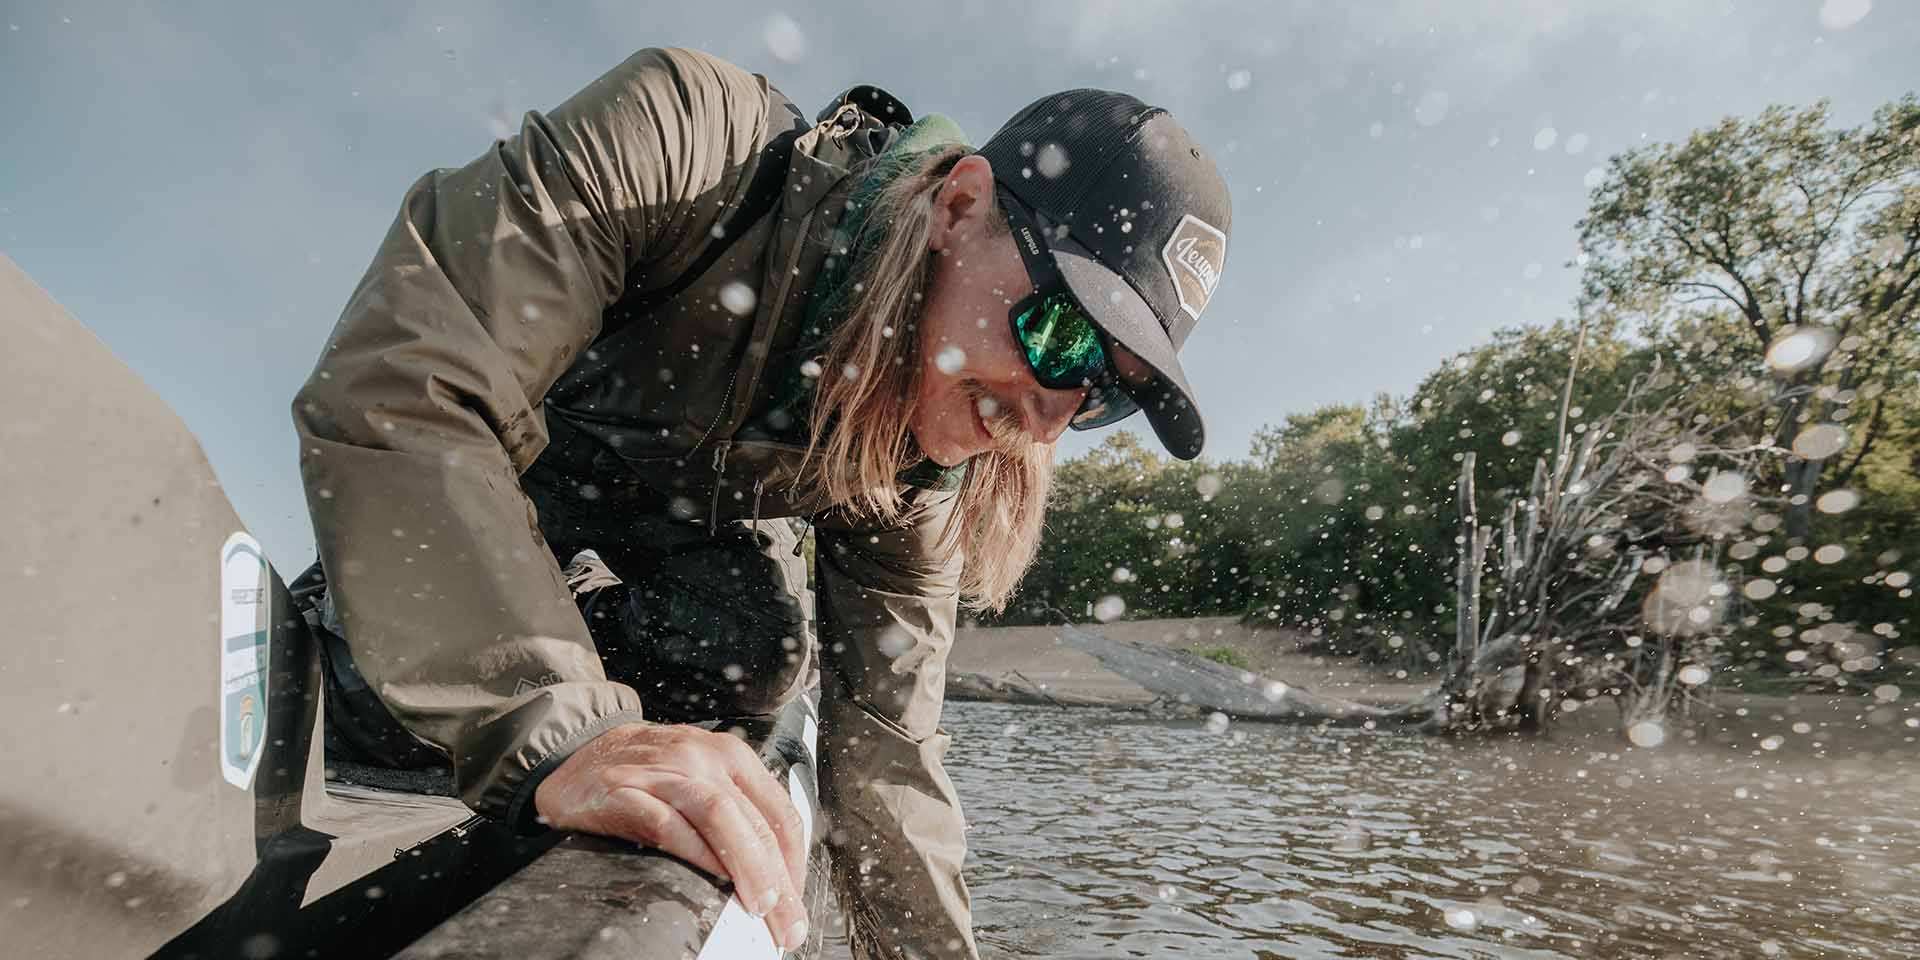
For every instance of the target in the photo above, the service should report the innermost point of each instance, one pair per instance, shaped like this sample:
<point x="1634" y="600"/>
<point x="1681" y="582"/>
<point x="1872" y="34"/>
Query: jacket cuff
<point x="499" y="761"/>
<point x="521" y="815"/>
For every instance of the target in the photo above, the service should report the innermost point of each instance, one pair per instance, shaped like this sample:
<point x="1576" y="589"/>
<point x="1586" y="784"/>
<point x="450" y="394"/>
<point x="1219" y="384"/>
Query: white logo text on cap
<point x="1194" y="255"/>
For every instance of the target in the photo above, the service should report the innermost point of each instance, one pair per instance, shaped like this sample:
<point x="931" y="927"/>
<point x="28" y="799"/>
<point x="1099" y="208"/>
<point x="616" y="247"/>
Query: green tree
<point x="1321" y="509"/>
<point x="1123" y="523"/>
<point x="1779" y="245"/>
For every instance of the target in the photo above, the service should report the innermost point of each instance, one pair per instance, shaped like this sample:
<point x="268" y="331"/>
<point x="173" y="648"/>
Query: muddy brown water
<point x="1103" y="834"/>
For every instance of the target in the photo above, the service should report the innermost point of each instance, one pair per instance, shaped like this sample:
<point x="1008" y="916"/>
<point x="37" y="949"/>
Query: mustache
<point x="1002" y="421"/>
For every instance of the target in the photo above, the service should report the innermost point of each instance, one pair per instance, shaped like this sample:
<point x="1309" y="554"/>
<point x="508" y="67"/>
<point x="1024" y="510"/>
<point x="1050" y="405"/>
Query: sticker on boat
<point x="244" y="644"/>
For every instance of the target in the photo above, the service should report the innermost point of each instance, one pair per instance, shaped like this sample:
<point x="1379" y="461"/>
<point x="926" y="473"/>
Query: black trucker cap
<point x="1137" y="216"/>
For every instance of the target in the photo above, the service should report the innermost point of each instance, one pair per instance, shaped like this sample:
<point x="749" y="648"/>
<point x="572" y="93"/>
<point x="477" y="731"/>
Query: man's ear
<point x="962" y="202"/>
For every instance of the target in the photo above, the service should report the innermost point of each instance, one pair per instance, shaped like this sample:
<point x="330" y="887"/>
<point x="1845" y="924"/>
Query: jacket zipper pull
<point x="719" y="473"/>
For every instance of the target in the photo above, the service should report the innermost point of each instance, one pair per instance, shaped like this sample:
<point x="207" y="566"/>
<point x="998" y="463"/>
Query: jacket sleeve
<point x="887" y="604"/>
<point x="423" y="409"/>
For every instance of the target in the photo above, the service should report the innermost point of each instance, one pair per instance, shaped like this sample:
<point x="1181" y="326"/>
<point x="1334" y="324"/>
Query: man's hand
<point x="703" y="797"/>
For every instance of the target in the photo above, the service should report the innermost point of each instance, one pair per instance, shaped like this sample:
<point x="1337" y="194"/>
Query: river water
<point x="1099" y="834"/>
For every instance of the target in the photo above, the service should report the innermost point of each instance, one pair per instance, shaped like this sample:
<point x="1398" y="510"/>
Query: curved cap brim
<point x="1125" y="316"/>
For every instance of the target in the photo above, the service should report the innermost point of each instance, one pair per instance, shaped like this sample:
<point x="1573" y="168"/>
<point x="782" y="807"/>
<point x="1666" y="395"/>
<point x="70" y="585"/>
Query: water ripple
<point x="1100" y="834"/>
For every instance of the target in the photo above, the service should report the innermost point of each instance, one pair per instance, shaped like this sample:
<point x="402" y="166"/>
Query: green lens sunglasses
<point x="1061" y="343"/>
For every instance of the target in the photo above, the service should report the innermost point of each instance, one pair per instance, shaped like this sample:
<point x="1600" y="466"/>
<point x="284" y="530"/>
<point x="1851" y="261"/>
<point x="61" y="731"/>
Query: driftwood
<point x="1608" y="578"/>
<point x="1195" y="681"/>
<point x="1014" y="688"/>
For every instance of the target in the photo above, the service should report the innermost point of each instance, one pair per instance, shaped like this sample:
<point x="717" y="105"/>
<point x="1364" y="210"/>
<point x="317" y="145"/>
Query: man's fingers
<point x="699" y="796"/>
<point x="787" y="916"/>
<point x="771" y="799"/>
<point x="646" y="819"/>
<point x="731" y="826"/>
<point x="734" y="828"/>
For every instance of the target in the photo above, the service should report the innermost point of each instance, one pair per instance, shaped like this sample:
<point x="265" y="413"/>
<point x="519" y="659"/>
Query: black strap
<point x="784" y="125"/>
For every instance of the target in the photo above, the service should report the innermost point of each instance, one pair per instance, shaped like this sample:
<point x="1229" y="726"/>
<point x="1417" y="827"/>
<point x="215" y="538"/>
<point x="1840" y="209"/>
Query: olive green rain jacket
<point x="476" y="337"/>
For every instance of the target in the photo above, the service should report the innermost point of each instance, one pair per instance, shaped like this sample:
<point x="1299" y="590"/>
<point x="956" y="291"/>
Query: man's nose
<point x="1048" y="412"/>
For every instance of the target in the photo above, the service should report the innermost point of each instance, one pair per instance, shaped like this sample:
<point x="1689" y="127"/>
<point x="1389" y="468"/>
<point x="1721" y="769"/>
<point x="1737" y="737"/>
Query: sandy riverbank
<point x="1039" y="655"/>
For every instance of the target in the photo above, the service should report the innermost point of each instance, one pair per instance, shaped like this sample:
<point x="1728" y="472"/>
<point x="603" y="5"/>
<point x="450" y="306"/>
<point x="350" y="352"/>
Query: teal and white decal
<point x="245" y="638"/>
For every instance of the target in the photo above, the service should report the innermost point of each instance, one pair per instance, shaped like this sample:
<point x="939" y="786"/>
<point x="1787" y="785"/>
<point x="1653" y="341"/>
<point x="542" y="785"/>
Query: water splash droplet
<point x="1052" y="161"/>
<point x="784" y="38"/>
<point x="894" y="641"/>
<point x="1841" y="14"/>
<point x="738" y="298"/>
<point x="1837" y="501"/>
<point x="1820" y="441"/>
<point x="1687" y="599"/>
<point x="1798" y="348"/>
<point x="1724" y="486"/>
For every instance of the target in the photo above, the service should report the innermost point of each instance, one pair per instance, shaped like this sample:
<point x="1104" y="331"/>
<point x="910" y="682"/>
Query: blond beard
<point x="1002" y="422"/>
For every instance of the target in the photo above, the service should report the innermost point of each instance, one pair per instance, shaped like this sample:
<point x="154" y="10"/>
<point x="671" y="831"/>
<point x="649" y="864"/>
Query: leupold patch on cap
<point x="1194" y="255"/>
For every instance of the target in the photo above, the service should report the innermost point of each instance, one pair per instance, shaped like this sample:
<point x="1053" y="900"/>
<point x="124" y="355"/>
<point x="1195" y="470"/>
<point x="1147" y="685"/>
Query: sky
<point x="202" y="184"/>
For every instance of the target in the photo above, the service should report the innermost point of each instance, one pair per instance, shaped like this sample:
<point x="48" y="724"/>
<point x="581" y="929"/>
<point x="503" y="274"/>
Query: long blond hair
<point x="865" y="401"/>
